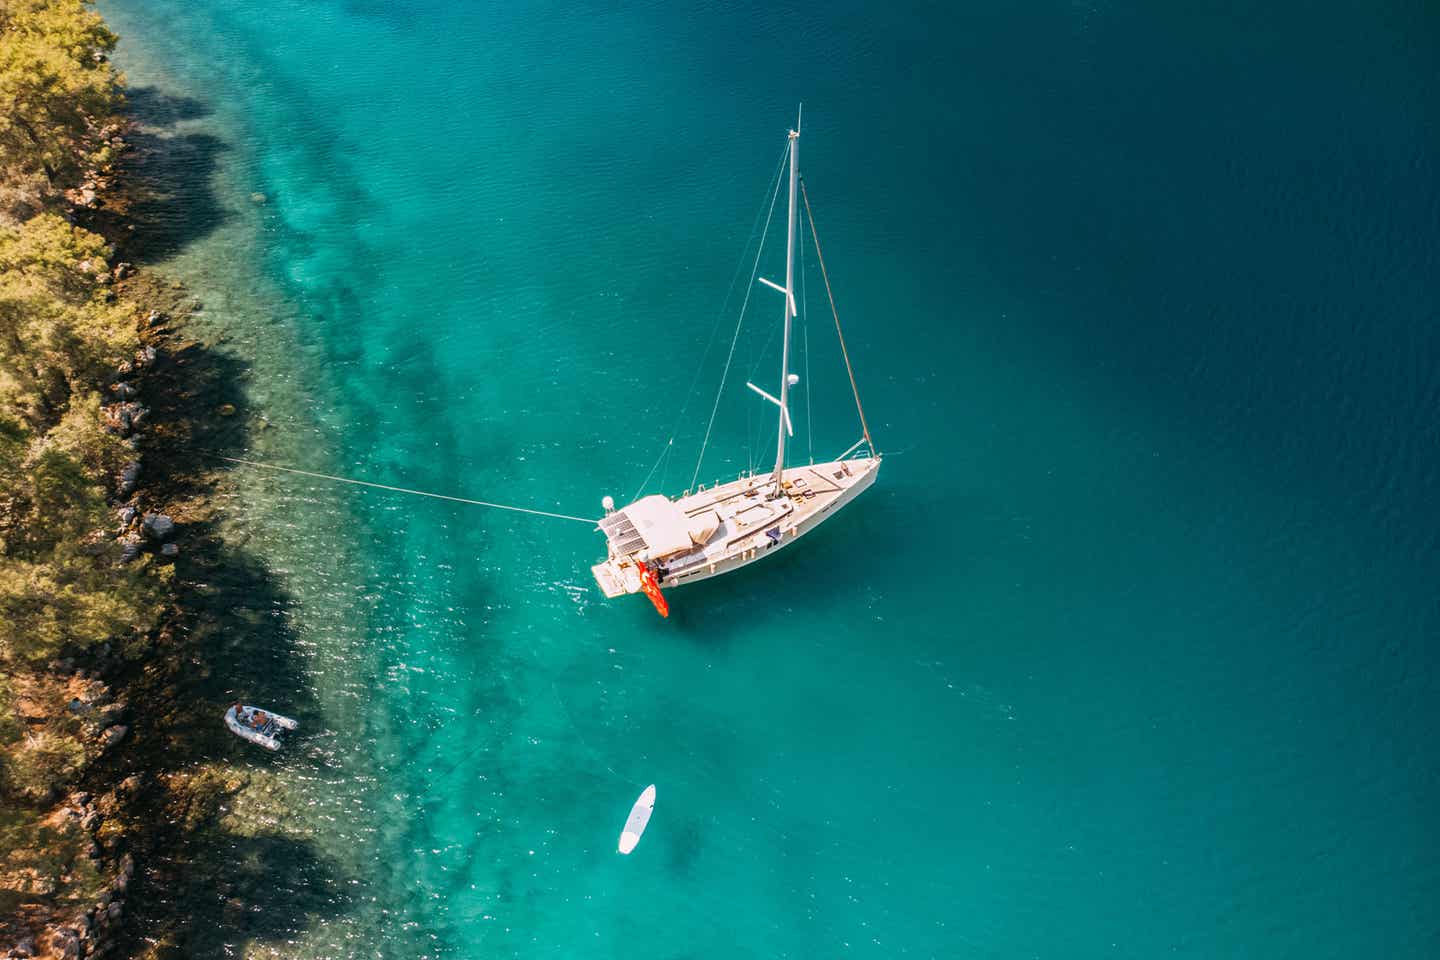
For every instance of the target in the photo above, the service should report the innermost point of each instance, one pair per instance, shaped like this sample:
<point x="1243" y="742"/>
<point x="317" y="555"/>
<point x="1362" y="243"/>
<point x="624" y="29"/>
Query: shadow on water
<point x="217" y="872"/>
<point x="168" y="173"/>
<point x="218" y="868"/>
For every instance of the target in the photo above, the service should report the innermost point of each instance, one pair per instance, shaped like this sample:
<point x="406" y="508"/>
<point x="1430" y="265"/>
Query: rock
<point x="90" y="821"/>
<point x="130" y="547"/>
<point x="155" y="318"/>
<point x="158" y="526"/>
<point x="127" y="514"/>
<point x="121" y="884"/>
<point x="226" y="410"/>
<point x="125" y="418"/>
<point x="113" y="735"/>
<point x="125" y="390"/>
<point x="111" y="714"/>
<point x="127" y="864"/>
<point x="113" y="911"/>
<point x="171" y="550"/>
<point x="25" y="947"/>
<point x="258" y="198"/>
<point x="145" y="356"/>
<point x="80" y="798"/>
<point x="129" y="476"/>
<point x="123" y="270"/>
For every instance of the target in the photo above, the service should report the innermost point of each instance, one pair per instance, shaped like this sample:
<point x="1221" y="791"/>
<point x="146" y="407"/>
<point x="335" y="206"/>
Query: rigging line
<point x="805" y="340"/>
<point x="830" y="294"/>
<point x="418" y="493"/>
<point x="669" y="445"/>
<point x="714" y="329"/>
<point x="749" y="289"/>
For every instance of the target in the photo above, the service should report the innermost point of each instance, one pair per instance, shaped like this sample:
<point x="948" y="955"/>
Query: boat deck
<point x="751" y="522"/>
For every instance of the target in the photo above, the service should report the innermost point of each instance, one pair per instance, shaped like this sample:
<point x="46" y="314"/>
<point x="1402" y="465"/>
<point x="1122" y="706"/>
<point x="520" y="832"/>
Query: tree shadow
<point x="265" y="888"/>
<point x="169" y="200"/>
<point x="207" y="879"/>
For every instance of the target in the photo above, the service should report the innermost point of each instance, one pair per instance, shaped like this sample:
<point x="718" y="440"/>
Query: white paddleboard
<point x="637" y="821"/>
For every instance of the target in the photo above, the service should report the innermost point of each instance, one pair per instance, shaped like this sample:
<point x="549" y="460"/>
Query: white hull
<point x="751" y="524"/>
<point x="268" y="735"/>
<point x="638" y="820"/>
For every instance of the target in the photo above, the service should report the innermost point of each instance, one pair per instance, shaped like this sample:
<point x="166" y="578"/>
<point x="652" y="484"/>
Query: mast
<point x="784" y="424"/>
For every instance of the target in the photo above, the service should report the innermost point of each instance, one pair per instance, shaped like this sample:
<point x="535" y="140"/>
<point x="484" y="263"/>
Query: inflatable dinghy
<point x="258" y="726"/>
<point x="638" y="820"/>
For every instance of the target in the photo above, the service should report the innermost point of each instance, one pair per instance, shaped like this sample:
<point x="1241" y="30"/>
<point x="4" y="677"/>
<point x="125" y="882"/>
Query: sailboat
<point x="657" y="541"/>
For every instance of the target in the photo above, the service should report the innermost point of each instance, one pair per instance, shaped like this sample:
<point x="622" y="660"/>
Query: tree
<point x="56" y="88"/>
<point x="57" y="332"/>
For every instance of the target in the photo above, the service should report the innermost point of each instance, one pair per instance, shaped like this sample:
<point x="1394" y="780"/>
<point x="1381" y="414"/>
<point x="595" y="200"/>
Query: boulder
<point x="125" y="417"/>
<point x="111" y="713"/>
<point x="171" y="550"/>
<point x="130" y="547"/>
<point x="154" y="318"/>
<point x="128" y="478"/>
<point x="113" y="910"/>
<point x="127" y="514"/>
<point x="125" y="390"/>
<point x="145" y="356"/>
<point x="113" y="735"/>
<point x="25" y="947"/>
<point x="123" y="270"/>
<point x="158" y="526"/>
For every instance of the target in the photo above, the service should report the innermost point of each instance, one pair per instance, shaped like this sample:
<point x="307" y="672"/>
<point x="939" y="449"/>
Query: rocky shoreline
<point x="97" y="852"/>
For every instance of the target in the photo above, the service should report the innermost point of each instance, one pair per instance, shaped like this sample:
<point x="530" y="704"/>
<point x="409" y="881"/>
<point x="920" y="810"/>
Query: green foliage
<point x="61" y="582"/>
<point x="56" y="89"/>
<point x="57" y="331"/>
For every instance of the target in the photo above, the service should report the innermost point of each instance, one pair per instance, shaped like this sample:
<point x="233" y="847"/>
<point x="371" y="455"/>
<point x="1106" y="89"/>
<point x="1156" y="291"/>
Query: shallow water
<point x="1130" y="651"/>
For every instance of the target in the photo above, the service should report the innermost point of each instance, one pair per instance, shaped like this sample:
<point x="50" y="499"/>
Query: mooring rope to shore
<point x="418" y="493"/>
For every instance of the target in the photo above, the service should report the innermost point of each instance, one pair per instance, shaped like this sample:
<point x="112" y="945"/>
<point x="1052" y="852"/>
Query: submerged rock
<point x="158" y="526"/>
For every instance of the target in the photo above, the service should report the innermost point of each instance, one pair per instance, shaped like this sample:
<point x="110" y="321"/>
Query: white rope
<point x="749" y="289"/>
<point x="418" y="493"/>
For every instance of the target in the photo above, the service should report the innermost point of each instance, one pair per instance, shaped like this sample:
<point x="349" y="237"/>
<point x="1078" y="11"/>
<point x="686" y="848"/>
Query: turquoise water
<point x="1130" y="652"/>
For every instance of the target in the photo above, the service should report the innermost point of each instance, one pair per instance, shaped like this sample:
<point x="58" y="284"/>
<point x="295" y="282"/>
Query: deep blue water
<point x="1131" y="652"/>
